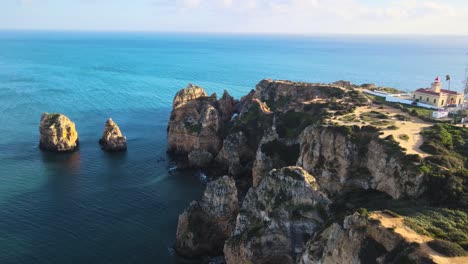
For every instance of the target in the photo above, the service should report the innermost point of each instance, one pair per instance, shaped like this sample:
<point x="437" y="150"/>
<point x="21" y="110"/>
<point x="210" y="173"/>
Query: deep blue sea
<point x="96" y="207"/>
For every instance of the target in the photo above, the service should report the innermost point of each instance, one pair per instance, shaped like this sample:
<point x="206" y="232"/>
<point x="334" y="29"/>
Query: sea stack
<point x="196" y="124"/>
<point x="112" y="139"/>
<point x="58" y="133"/>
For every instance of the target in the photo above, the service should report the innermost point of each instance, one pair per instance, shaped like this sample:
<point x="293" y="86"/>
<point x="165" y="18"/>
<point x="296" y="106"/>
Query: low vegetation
<point x="403" y="137"/>
<point x="447" y="248"/>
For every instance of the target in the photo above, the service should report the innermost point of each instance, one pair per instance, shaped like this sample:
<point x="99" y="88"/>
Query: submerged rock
<point x="205" y="225"/>
<point x="277" y="218"/>
<point x="112" y="139"/>
<point x="57" y="133"/>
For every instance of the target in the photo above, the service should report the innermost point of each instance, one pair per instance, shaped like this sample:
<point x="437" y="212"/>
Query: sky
<point x="432" y="17"/>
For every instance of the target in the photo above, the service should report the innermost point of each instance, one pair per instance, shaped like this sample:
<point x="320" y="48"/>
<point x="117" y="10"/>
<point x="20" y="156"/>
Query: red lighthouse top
<point x="437" y="79"/>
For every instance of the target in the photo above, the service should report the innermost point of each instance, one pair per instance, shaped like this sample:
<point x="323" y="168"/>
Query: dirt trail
<point x="411" y="236"/>
<point x="411" y="128"/>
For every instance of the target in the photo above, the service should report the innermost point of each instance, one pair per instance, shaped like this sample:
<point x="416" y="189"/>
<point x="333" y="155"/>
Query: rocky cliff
<point x="360" y="239"/>
<point x="277" y="218"/>
<point x="112" y="139"/>
<point x="197" y="122"/>
<point x="275" y="138"/>
<point x="57" y="133"/>
<point x="354" y="157"/>
<point x="204" y="226"/>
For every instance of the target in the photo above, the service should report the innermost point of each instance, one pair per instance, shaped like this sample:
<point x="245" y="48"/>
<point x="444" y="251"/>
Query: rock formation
<point x="271" y="142"/>
<point x="277" y="218"/>
<point x="112" y="139"/>
<point x="57" y="133"/>
<point x="356" y="157"/>
<point x="195" y="123"/>
<point x="361" y="240"/>
<point x="205" y="225"/>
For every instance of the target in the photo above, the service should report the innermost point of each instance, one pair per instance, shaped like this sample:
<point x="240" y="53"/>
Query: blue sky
<point x="249" y="16"/>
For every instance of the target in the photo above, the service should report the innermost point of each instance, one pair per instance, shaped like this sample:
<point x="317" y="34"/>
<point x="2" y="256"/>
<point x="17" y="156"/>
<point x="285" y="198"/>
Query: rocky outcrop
<point x="353" y="157"/>
<point x="286" y="95"/>
<point x="361" y="240"/>
<point x="235" y="154"/>
<point x="112" y="139"/>
<point x="190" y="93"/>
<point x="227" y="106"/>
<point x="273" y="153"/>
<point x="199" y="158"/>
<point x="195" y="123"/>
<point x="205" y="225"/>
<point x="277" y="218"/>
<point x="57" y="133"/>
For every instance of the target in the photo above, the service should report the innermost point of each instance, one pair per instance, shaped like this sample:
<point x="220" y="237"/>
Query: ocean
<point x="95" y="207"/>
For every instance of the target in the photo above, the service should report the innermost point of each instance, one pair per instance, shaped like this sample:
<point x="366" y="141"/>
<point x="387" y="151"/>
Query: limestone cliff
<point x="353" y="157"/>
<point x="57" y="133"/>
<point x="205" y="225"/>
<point x="277" y="218"/>
<point x="195" y="122"/>
<point x="271" y="142"/>
<point x="112" y="139"/>
<point x="287" y="95"/>
<point x="361" y="240"/>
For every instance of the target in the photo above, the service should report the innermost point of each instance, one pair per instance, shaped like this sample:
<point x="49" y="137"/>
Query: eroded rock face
<point x="360" y="240"/>
<point x="57" y="133"/>
<point x="112" y="139"/>
<point x="199" y="158"/>
<point x="358" y="160"/>
<point x="287" y="95"/>
<point x="277" y="218"/>
<point x="227" y="106"/>
<point x="273" y="153"/>
<point x="205" y="225"/>
<point x="191" y="92"/>
<point x="195" y="123"/>
<point x="235" y="154"/>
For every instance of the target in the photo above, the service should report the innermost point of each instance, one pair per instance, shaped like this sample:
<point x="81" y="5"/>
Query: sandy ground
<point x="411" y="128"/>
<point x="411" y="236"/>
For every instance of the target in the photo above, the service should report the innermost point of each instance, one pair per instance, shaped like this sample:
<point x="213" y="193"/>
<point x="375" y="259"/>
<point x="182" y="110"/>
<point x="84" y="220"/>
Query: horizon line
<point x="227" y="32"/>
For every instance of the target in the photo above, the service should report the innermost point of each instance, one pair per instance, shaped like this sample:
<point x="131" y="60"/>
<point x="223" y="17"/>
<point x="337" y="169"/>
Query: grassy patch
<point x="291" y="124"/>
<point x="402" y="117"/>
<point x="369" y="116"/>
<point x="392" y="127"/>
<point x="390" y="213"/>
<point x="439" y="223"/>
<point x="447" y="248"/>
<point x="348" y="118"/>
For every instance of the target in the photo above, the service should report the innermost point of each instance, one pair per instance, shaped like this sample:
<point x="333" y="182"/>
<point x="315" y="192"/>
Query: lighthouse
<point x="436" y="85"/>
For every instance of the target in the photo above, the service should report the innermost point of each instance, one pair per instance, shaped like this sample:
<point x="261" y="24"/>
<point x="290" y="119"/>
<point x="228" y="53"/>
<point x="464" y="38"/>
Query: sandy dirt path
<point x="410" y="128"/>
<point x="411" y="236"/>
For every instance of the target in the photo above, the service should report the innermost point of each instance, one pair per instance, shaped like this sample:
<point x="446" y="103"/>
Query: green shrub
<point x="404" y="137"/>
<point x="392" y="127"/>
<point x="447" y="248"/>
<point x="390" y="213"/>
<point x="363" y="212"/>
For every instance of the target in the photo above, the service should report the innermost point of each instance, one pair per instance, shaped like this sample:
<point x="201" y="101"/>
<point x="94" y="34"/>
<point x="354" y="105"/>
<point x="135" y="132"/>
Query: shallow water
<point x="92" y="206"/>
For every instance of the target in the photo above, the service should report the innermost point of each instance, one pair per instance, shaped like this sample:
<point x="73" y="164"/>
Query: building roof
<point x="428" y="91"/>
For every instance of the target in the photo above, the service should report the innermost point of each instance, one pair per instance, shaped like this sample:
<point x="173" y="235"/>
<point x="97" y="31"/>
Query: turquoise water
<point x="96" y="207"/>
